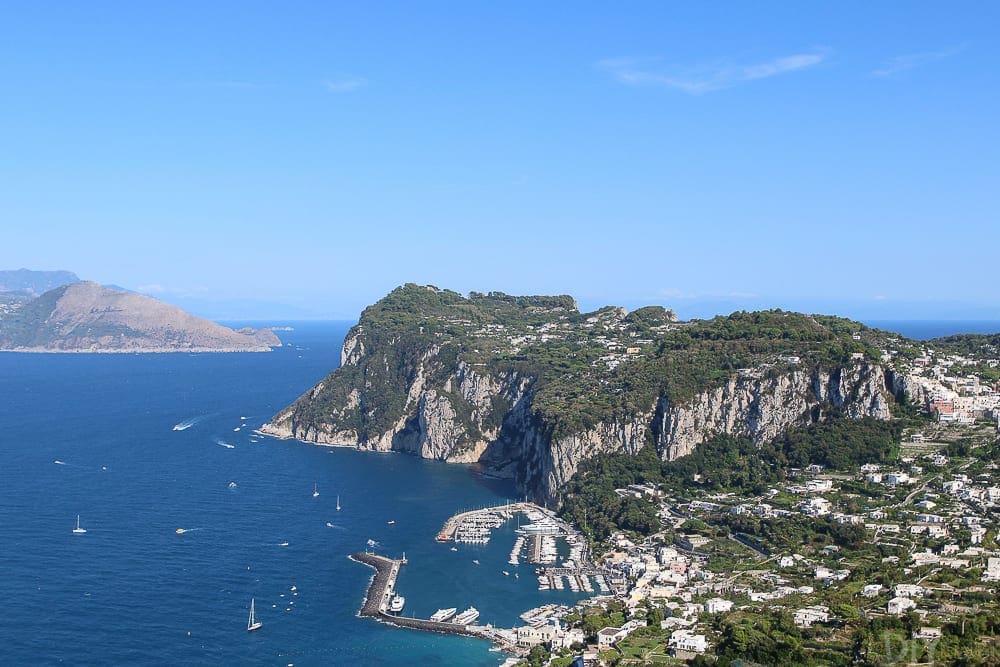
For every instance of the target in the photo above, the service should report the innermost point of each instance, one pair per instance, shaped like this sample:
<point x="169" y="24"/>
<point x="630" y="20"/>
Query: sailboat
<point x="338" y="503"/>
<point x="78" y="530"/>
<point x="252" y="623"/>
<point x="315" y="491"/>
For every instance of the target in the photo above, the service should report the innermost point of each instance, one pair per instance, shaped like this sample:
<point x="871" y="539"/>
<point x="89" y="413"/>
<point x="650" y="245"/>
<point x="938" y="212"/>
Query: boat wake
<point x="181" y="531"/>
<point x="188" y="423"/>
<point x="59" y="463"/>
<point x="222" y="443"/>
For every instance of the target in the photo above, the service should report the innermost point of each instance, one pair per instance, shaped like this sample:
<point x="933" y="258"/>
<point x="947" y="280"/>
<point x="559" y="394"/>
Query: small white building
<point x="718" y="606"/>
<point x="871" y="590"/>
<point x="684" y="640"/>
<point x="816" y="507"/>
<point x="992" y="571"/>
<point x="896" y="478"/>
<point x="569" y="638"/>
<point x="908" y="591"/>
<point x="608" y="636"/>
<point x="806" y="616"/>
<point x="819" y="485"/>
<point x="899" y="606"/>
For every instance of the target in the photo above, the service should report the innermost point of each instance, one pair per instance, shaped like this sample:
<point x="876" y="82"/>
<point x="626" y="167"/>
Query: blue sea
<point x="927" y="329"/>
<point x="93" y="435"/>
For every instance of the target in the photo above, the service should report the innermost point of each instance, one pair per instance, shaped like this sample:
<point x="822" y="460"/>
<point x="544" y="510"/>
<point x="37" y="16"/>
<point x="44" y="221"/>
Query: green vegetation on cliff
<point x="724" y="463"/>
<point x="584" y="368"/>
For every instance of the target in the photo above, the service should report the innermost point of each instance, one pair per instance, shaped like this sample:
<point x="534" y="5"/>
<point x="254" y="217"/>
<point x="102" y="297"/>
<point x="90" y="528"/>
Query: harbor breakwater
<point x="380" y="590"/>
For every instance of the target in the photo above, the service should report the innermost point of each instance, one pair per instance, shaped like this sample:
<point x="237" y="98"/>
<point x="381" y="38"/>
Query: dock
<point x="447" y="532"/>
<point x="381" y="590"/>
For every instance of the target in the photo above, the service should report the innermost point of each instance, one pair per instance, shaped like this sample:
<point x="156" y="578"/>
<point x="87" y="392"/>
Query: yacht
<point x="252" y="622"/>
<point x="467" y="616"/>
<point x="442" y="615"/>
<point x="397" y="603"/>
<point x="78" y="530"/>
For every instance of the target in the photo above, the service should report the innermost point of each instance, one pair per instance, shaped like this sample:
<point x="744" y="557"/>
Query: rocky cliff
<point x="530" y="388"/>
<point x="86" y="317"/>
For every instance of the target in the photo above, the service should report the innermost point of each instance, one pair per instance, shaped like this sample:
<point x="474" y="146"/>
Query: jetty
<point x="382" y="588"/>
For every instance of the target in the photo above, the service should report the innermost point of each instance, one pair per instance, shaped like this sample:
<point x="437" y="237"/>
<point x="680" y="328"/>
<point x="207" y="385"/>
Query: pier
<point x="381" y="589"/>
<point x="447" y="532"/>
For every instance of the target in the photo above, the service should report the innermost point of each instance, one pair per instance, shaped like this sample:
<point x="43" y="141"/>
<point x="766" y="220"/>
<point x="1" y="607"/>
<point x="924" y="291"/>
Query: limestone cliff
<point x="531" y="388"/>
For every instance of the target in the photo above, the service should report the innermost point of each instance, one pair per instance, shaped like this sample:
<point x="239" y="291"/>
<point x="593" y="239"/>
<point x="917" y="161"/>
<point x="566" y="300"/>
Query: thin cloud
<point x="894" y="66"/>
<point x="346" y="85"/>
<point x="705" y="78"/>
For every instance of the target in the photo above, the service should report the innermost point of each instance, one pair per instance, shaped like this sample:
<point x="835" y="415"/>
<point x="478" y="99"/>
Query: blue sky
<point x="271" y="159"/>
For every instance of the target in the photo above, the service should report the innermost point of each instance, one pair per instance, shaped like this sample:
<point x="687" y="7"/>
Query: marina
<point x="535" y="543"/>
<point x="380" y="595"/>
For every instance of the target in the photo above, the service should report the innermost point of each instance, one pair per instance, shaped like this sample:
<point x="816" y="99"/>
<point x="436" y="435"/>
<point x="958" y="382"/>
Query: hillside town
<point x="894" y="563"/>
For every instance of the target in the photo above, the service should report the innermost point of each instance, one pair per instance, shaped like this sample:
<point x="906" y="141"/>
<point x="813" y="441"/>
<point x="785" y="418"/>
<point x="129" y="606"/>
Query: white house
<point x="806" y="616"/>
<point x="718" y="606"/>
<point x="908" y="591"/>
<point x="529" y="636"/>
<point x="608" y="636"/>
<point x="816" y="506"/>
<point x="899" y="606"/>
<point x="894" y="478"/>
<point x="684" y="640"/>
<point x="992" y="572"/>
<point x="871" y="590"/>
<point x="569" y="638"/>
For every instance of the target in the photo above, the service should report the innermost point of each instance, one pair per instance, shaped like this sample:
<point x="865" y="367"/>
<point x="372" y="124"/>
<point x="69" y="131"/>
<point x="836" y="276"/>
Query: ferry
<point x="442" y="615"/>
<point x="397" y="603"/>
<point x="467" y="616"/>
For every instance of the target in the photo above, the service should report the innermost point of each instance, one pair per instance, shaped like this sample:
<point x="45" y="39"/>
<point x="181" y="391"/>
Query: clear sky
<point x="264" y="159"/>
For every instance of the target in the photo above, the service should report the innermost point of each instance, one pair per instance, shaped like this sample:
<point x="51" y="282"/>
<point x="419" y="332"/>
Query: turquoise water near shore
<point x="133" y="591"/>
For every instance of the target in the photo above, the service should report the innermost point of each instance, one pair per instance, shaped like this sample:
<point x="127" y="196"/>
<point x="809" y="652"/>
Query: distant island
<point x="82" y="316"/>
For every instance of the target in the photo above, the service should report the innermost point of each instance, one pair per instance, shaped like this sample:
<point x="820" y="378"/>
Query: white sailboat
<point x="315" y="491"/>
<point x="338" y="503"/>
<point x="78" y="530"/>
<point x="252" y="623"/>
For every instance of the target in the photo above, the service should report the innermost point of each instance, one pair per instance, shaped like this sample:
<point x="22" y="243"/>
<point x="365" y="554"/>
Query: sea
<point x="927" y="329"/>
<point x="141" y="445"/>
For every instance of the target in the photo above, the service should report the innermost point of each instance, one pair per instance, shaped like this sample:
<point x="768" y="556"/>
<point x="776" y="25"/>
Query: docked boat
<point x="78" y="530"/>
<point x="442" y="615"/>
<point x="397" y="603"/>
<point x="467" y="616"/>
<point x="252" y="622"/>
